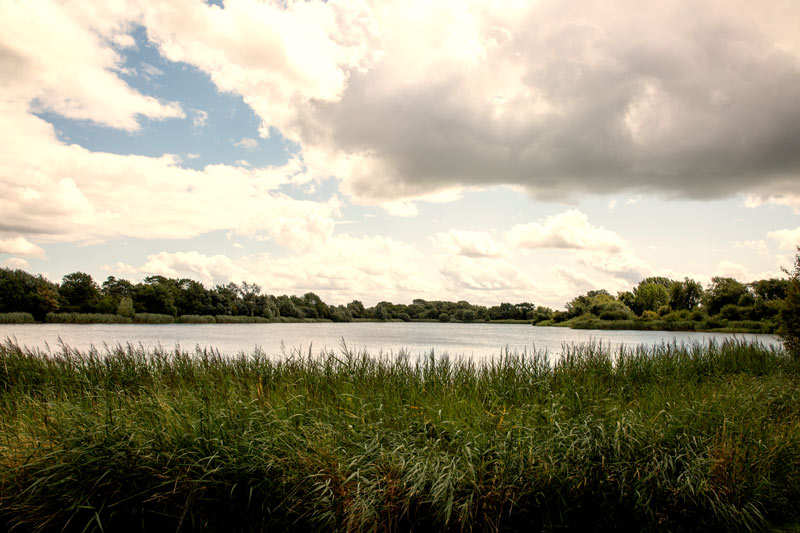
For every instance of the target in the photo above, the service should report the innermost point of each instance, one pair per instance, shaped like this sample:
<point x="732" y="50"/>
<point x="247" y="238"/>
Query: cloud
<point x="787" y="199"/>
<point x="678" y="98"/>
<point x="570" y="229"/>
<point x="484" y="274"/>
<point x="56" y="57"/>
<point x="788" y="239"/>
<point x="577" y="282"/>
<point x="210" y="270"/>
<point x="60" y="192"/>
<point x="342" y="269"/>
<point x="149" y="72"/>
<point x="20" y="246"/>
<point x="623" y="264"/>
<point x="469" y="243"/>
<point x="247" y="143"/>
<point x="16" y="263"/>
<point x="199" y="118"/>
<point x="758" y="246"/>
<point x="741" y="273"/>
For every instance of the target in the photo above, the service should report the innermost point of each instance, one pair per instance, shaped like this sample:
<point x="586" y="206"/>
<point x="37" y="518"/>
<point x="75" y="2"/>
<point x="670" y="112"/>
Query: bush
<point x="615" y="314"/>
<point x="731" y="312"/>
<point x="650" y="315"/>
<point x="698" y="315"/>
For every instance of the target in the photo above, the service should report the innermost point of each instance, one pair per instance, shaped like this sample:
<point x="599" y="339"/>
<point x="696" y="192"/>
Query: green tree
<point x="584" y="304"/>
<point x="356" y="309"/>
<point x="117" y="288"/>
<point x="685" y="295"/>
<point x="789" y="316"/>
<point x="79" y="293"/>
<point x="722" y="292"/>
<point x="23" y="292"/>
<point x="650" y="295"/>
<point x="155" y="295"/>
<point x="125" y="307"/>
<point x="288" y="308"/>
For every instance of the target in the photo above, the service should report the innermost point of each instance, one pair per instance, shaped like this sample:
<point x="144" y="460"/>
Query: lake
<point x="471" y="340"/>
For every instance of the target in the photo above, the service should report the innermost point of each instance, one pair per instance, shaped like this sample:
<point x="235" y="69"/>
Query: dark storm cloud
<point x="680" y="102"/>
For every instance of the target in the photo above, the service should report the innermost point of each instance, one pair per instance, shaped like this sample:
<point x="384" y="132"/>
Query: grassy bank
<point x="660" y="438"/>
<point x="637" y="324"/>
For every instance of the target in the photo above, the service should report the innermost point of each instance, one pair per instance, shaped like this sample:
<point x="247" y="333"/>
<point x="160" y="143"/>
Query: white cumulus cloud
<point x="20" y="246"/>
<point x="570" y="229"/>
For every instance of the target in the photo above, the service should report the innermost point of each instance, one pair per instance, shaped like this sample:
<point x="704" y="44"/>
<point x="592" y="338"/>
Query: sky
<point x="499" y="151"/>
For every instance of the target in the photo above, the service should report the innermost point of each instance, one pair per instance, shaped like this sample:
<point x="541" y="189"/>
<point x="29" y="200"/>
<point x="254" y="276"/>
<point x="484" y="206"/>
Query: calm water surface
<point x="473" y="340"/>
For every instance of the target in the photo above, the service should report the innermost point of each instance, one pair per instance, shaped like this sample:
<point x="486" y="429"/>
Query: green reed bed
<point x="86" y="318"/>
<point x="668" y="437"/>
<point x="229" y="319"/>
<point x="16" y="318"/>
<point x="153" y="318"/>
<point x="196" y="319"/>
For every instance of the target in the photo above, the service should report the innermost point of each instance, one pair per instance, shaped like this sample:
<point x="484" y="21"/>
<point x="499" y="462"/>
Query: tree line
<point x="655" y="299"/>
<point x="80" y="293"/>
<point x="664" y="299"/>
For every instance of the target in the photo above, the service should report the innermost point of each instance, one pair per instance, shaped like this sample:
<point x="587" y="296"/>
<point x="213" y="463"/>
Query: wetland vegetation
<point x="670" y="437"/>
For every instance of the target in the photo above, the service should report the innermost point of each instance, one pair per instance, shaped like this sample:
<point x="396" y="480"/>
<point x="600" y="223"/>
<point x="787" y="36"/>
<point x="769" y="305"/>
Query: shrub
<point x="650" y="315"/>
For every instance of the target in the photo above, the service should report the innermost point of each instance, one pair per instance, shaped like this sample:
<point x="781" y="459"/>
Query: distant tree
<point x="247" y="294"/>
<point x="23" y="292"/>
<point x="117" y="288"/>
<point x="628" y="299"/>
<point x="587" y="303"/>
<point x="650" y="295"/>
<point x="541" y="314"/>
<point x="156" y="294"/>
<point x="770" y="289"/>
<point x="192" y="298"/>
<point x="789" y="317"/>
<point x="224" y="299"/>
<point x="79" y="293"/>
<point x="356" y="309"/>
<point x="722" y="292"/>
<point x="288" y="308"/>
<point x="314" y="307"/>
<point x="125" y="307"/>
<point x="685" y="295"/>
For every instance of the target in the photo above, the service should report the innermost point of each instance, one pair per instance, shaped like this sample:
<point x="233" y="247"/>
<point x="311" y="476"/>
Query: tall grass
<point x="16" y="318"/>
<point x="196" y="319"/>
<point x="228" y="319"/>
<point x="669" y="437"/>
<point x="153" y="318"/>
<point x="86" y="318"/>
